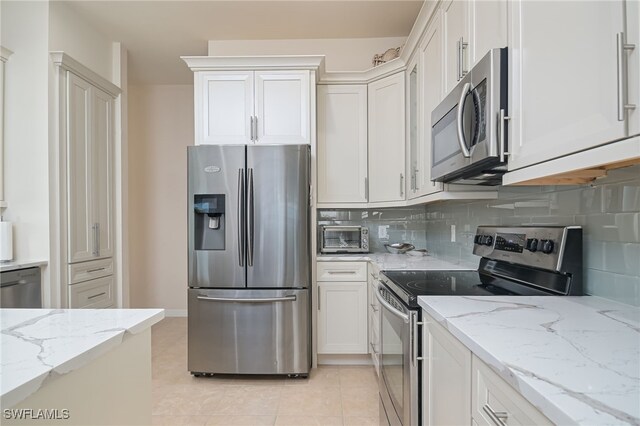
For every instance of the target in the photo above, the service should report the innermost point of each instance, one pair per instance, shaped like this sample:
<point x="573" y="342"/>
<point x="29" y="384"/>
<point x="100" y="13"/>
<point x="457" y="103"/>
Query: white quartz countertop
<point x="39" y="343"/>
<point x="21" y="264"/>
<point x="577" y="359"/>
<point x="390" y="262"/>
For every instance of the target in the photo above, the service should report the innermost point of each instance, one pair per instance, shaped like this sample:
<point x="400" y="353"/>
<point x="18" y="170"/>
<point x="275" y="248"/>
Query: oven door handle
<point x="460" y="114"/>
<point x="390" y="308"/>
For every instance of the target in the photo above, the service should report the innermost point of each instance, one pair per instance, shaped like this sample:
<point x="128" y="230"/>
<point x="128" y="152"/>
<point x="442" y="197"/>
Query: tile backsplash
<point x="608" y="210"/>
<point x="399" y="224"/>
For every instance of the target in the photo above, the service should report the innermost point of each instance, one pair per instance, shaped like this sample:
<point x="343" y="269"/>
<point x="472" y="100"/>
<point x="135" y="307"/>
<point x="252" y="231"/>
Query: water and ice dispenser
<point x="209" y="215"/>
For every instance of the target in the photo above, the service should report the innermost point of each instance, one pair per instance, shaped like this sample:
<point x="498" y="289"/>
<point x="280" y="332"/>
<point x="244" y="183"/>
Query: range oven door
<point x="398" y="383"/>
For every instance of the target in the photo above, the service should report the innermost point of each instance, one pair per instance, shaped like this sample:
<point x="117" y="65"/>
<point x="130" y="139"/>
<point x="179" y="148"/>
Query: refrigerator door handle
<point x="251" y="221"/>
<point x="249" y="300"/>
<point x="241" y="217"/>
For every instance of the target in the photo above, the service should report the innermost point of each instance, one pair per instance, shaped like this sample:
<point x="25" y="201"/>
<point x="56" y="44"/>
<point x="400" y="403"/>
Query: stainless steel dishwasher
<point x="20" y="289"/>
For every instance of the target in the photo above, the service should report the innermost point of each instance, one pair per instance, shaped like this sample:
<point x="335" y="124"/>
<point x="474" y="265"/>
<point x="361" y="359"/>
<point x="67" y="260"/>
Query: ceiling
<point x="157" y="33"/>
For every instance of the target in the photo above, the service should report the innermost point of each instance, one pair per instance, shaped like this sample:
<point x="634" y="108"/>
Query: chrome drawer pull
<point x="341" y="272"/>
<point x="96" y="295"/>
<point x="498" y="417"/>
<point x="95" y="270"/>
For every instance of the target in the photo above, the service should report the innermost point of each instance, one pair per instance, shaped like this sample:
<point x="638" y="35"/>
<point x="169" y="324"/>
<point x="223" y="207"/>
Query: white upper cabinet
<point x="632" y="37"/>
<point x="386" y="98"/>
<point x="431" y="92"/>
<point x="79" y="156"/>
<point x="226" y="105"/>
<point x="244" y="107"/>
<point x="342" y="144"/>
<point x="455" y="19"/>
<point x="282" y="107"/>
<point x="488" y="20"/>
<point x="90" y="171"/>
<point x="565" y="92"/>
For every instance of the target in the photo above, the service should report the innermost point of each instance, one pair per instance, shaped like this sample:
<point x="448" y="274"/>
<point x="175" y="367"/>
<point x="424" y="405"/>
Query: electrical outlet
<point x="453" y="233"/>
<point x="382" y="232"/>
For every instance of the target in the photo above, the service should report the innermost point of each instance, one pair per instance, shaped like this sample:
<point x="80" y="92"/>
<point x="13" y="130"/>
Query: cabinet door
<point x="342" y="144"/>
<point x="387" y="139"/>
<point x="431" y="93"/>
<point x="224" y="107"/>
<point x="282" y="107"/>
<point x="446" y="384"/>
<point x="80" y="219"/>
<point x="563" y="84"/>
<point x="488" y="27"/>
<point x="633" y="68"/>
<point x="456" y="38"/>
<point x="342" y="318"/>
<point x="102" y="170"/>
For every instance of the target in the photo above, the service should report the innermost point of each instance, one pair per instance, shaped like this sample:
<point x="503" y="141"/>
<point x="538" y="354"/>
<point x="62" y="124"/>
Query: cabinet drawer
<point x="495" y="402"/>
<point x="98" y="293"/>
<point x="342" y="271"/>
<point x="93" y="269"/>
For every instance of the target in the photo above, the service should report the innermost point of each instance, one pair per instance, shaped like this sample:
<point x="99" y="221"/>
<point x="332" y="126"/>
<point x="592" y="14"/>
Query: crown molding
<point x="238" y="63"/>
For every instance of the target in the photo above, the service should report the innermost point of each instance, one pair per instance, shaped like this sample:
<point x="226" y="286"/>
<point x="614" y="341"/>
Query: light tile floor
<point x="330" y="396"/>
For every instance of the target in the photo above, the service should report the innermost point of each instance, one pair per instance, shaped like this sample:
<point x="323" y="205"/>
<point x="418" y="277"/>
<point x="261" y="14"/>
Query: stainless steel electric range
<point x="516" y="261"/>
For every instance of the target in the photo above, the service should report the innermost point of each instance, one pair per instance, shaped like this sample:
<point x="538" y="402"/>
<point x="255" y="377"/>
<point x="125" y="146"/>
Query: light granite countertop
<point x="390" y="262"/>
<point x="577" y="359"/>
<point x="39" y="343"/>
<point x="21" y="264"/>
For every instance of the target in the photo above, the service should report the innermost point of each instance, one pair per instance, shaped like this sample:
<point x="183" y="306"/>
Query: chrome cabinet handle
<point x="401" y="185"/>
<point x="95" y="270"/>
<point x="341" y="272"/>
<point x="498" y="417"/>
<point x="366" y="189"/>
<point x="251" y="128"/>
<point x="622" y="48"/>
<point x="241" y="218"/>
<point x="255" y="128"/>
<point x="461" y="138"/>
<point x="96" y="295"/>
<point x="251" y="220"/>
<point x="96" y="239"/>
<point x="502" y="142"/>
<point x="249" y="300"/>
<point x="462" y="45"/>
<point x="318" y="297"/>
<point x="458" y="61"/>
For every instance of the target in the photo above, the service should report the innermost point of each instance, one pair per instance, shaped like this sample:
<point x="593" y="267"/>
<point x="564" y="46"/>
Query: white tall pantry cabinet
<point x="87" y="126"/>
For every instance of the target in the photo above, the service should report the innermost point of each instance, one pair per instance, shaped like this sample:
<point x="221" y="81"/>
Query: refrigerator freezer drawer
<point x="249" y="331"/>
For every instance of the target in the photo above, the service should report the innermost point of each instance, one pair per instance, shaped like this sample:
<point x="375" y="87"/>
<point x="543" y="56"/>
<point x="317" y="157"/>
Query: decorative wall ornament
<point x="381" y="58"/>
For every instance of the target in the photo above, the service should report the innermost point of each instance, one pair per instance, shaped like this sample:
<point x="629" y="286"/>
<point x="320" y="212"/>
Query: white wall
<point x="73" y="34"/>
<point x="160" y="129"/>
<point x="352" y="54"/>
<point x="24" y="30"/>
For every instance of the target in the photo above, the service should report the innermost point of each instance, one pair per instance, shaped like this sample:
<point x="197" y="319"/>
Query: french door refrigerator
<point x="249" y="259"/>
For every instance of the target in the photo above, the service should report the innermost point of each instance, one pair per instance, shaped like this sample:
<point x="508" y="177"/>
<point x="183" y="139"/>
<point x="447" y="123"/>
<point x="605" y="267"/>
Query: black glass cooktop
<point x="408" y="285"/>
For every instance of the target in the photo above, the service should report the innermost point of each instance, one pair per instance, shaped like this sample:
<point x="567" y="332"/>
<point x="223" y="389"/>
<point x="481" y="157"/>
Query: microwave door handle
<point x="461" y="138"/>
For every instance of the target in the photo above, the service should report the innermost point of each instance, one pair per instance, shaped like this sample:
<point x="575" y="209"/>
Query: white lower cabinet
<point x="446" y="377"/>
<point x="97" y="293"/>
<point x="494" y="402"/>
<point x="459" y="389"/>
<point x="374" y="319"/>
<point x="342" y="310"/>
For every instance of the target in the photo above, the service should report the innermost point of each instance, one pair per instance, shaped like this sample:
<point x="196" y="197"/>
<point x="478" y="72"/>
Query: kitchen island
<point x="76" y="366"/>
<point x="575" y="359"/>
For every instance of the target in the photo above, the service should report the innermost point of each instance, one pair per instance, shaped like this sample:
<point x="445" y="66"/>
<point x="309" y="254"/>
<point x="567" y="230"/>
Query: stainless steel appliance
<point x="249" y="259"/>
<point x="20" y="288"/>
<point x="516" y="261"/>
<point x="468" y="137"/>
<point x="344" y="239"/>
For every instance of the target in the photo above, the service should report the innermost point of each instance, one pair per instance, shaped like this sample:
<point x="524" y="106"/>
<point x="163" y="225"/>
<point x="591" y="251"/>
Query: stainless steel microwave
<point x="468" y="137"/>
<point x="344" y="239"/>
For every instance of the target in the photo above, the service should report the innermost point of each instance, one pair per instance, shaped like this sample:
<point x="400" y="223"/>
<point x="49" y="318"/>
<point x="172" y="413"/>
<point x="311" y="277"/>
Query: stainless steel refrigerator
<point x="249" y="259"/>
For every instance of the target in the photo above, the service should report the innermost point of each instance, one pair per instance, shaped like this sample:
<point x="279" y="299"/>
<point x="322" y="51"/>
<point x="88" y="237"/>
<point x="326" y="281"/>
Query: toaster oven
<point x="344" y="239"/>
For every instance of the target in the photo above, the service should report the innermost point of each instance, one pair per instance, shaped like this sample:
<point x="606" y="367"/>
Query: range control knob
<point x="547" y="246"/>
<point x="478" y="239"/>
<point x="532" y="245"/>
<point x="487" y="240"/>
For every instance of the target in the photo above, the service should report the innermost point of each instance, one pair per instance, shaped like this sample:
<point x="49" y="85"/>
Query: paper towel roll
<point x="6" y="241"/>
